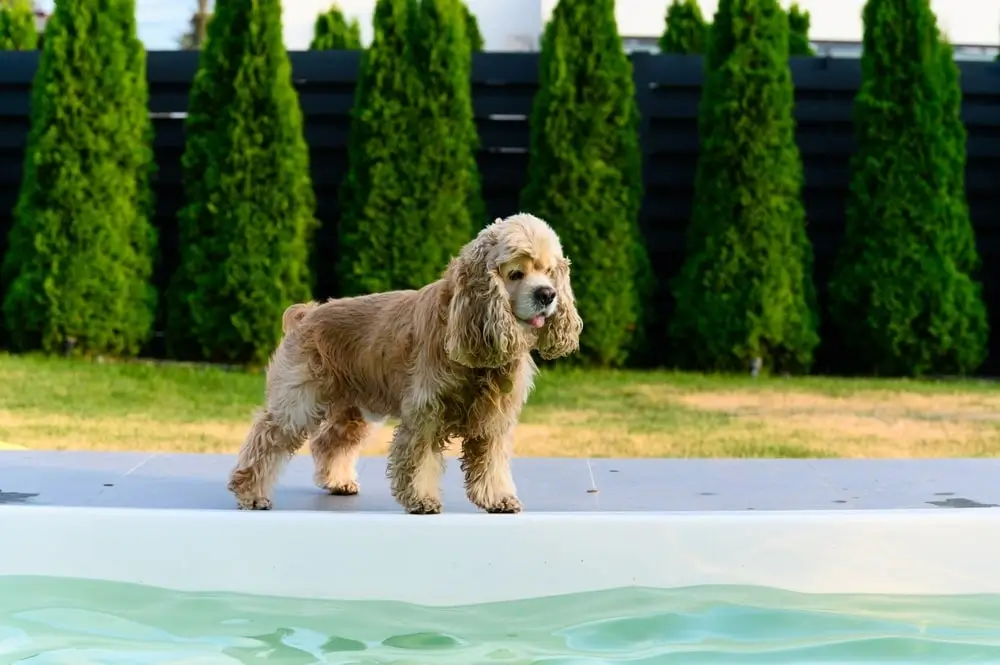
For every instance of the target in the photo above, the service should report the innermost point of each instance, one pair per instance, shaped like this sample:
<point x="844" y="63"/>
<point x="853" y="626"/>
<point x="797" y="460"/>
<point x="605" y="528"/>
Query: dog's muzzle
<point x="545" y="298"/>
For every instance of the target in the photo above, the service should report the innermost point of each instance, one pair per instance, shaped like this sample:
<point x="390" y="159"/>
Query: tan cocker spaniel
<point x="449" y="360"/>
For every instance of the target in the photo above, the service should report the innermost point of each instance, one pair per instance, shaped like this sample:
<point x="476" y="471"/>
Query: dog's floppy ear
<point x="561" y="335"/>
<point x="481" y="329"/>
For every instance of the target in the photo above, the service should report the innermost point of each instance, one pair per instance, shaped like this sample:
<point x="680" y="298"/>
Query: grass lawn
<point x="48" y="403"/>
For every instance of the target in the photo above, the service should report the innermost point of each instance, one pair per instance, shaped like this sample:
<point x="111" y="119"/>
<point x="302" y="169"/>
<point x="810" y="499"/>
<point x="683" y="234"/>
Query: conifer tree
<point x="472" y="33"/>
<point x="448" y="183"/>
<point x="901" y="295"/>
<point x="745" y="292"/>
<point x="798" y="31"/>
<point x="17" y="26"/>
<point x="333" y="32"/>
<point x="686" y="30"/>
<point x="585" y="173"/>
<point x="246" y="226"/>
<point x="77" y="274"/>
<point x="955" y="141"/>
<point x="412" y="194"/>
<point x="375" y="195"/>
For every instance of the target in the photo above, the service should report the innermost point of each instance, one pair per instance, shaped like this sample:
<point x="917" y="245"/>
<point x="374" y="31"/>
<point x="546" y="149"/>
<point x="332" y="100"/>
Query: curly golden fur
<point x="451" y="359"/>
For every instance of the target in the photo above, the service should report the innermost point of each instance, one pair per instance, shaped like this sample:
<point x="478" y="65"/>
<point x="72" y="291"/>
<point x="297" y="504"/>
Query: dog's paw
<point x="347" y="488"/>
<point x="506" y="504"/>
<point x="254" y="503"/>
<point x="423" y="506"/>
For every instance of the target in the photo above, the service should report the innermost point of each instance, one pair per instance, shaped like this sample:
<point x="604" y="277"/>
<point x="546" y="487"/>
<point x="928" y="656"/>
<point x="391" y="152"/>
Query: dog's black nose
<point x="545" y="295"/>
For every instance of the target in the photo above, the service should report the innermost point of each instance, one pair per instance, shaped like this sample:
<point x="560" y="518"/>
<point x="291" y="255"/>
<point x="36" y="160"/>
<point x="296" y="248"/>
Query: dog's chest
<point x="482" y="389"/>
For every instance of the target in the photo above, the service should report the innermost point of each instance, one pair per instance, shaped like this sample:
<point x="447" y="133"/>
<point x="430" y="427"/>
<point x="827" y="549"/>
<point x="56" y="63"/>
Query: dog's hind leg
<point x="336" y="446"/>
<point x="268" y="447"/>
<point x="292" y="413"/>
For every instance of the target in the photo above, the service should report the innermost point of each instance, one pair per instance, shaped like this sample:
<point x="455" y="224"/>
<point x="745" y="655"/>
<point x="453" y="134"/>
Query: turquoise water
<point x="47" y="621"/>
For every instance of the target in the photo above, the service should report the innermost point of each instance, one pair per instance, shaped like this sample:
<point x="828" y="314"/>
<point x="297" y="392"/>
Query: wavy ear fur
<point x="481" y="329"/>
<point x="561" y="335"/>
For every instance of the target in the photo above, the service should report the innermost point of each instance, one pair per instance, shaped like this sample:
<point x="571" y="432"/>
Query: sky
<point x="965" y="21"/>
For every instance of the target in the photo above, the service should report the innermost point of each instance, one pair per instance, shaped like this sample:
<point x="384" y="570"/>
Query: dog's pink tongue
<point x="537" y="321"/>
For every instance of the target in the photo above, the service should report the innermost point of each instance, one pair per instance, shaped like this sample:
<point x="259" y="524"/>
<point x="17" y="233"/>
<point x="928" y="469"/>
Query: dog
<point x="452" y="359"/>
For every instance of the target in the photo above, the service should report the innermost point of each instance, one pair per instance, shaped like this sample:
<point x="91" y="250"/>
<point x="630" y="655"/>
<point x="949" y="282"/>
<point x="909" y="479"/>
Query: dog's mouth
<point x="538" y="319"/>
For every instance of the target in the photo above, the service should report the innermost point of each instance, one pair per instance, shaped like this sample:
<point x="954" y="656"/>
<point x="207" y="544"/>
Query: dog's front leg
<point x="416" y="464"/>
<point x="489" y="482"/>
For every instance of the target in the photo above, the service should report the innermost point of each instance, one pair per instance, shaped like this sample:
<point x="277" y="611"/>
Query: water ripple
<point x="47" y="621"/>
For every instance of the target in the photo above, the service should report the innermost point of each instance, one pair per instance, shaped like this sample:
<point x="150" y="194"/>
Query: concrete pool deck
<point x="191" y="481"/>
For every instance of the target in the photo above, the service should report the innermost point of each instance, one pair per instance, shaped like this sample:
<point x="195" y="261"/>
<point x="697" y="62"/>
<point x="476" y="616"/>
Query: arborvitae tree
<point x="375" y="196"/>
<point x="333" y="32"/>
<point x="686" y="30"/>
<point x="82" y="248"/>
<point x="17" y="26"/>
<point x="449" y="186"/>
<point x="412" y="195"/>
<point x="249" y="214"/>
<point x="472" y="33"/>
<point x="953" y="130"/>
<point x="585" y="172"/>
<point x="745" y="290"/>
<point x="798" y="31"/>
<point x="901" y="295"/>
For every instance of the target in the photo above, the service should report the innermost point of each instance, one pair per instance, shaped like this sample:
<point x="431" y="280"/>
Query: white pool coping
<point x="467" y="557"/>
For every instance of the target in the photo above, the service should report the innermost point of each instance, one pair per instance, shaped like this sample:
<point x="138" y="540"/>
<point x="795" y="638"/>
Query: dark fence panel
<point x="668" y="88"/>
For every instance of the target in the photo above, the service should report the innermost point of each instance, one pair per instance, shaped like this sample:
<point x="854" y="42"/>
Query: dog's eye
<point x="515" y="275"/>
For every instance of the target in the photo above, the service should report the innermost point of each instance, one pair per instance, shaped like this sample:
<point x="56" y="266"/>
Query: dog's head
<point x="511" y="292"/>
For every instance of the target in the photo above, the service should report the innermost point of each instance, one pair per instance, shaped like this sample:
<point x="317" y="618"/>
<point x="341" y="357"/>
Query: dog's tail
<point x="294" y="314"/>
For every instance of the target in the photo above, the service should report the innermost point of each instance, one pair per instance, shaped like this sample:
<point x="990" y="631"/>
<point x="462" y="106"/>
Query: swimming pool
<point x="100" y="580"/>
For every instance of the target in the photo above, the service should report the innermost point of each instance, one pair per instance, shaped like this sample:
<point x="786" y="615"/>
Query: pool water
<point x="50" y="621"/>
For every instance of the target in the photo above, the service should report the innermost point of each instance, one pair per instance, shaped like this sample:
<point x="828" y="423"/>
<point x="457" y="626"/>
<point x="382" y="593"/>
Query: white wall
<point x="506" y="23"/>
<point x="965" y="21"/>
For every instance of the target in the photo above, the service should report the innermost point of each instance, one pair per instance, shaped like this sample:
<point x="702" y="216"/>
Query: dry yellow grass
<point x="76" y="405"/>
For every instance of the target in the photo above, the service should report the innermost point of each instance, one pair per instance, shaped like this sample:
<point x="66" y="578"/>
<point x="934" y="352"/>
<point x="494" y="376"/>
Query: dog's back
<point x="365" y="347"/>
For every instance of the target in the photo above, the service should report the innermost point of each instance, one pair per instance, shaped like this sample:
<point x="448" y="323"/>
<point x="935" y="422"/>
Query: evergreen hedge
<point x="374" y="196"/>
<point x="449" y="185"/>
<point x="798" y="31"/>
<point x="901" y="294"/>
<point x="247" y="221"/>
<point x="585" y="173"/>
<point x="17" y="26"/>
<point x="333" y="32"/>
<point x="472" y="33"/>
<point x="82" y="249"/>
<point x="686" y="29"/>
<point x="745" y="289"/>
<point x="412" y="194"/>
<point x="967" y="259"/>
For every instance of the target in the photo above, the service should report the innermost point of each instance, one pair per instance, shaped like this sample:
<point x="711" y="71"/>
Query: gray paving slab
<point x="192" y="481"/>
